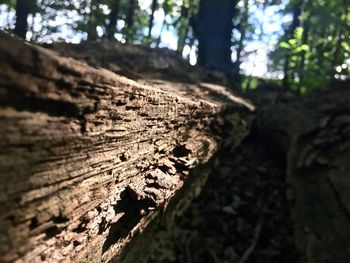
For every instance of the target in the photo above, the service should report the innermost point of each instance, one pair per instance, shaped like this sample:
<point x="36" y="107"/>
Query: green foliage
<point x="182" y="15"/>
<point x="317" y="52"/>
<point x="250" y="83"/>
<point x="9" y="3"/>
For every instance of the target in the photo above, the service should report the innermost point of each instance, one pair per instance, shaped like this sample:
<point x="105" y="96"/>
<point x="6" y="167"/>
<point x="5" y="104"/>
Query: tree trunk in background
<point x="242" y="29"/>
<point x="22" y="12"/>
<point x="305" y="37"/>
<point x="159" y="38"/>
<point x="343" y="33"/>
<point x="183" y="30"/>
<point x="289" y="34"/>
<point x="130" y="14"/>
<point x="113" y="17"/>
<point x="151" y="18"/>
<point x="91" y="27"/>
<point x="213" y="27"/>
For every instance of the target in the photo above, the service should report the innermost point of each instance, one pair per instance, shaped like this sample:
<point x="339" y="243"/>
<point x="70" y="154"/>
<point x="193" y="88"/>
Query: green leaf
<point x="299" y="32"/>
<point x="292" y="42"/>
<point x="346" y="46"/>
<point x="284" y="45"/>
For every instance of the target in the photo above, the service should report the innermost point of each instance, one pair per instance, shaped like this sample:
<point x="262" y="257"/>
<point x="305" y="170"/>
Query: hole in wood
<point x="33" y="223"/>
<point x="51" y="232"/>
<point x="181" y="151"/>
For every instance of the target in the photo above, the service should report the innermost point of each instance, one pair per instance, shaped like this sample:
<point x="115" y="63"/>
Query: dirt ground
<point x="242" y="214"/>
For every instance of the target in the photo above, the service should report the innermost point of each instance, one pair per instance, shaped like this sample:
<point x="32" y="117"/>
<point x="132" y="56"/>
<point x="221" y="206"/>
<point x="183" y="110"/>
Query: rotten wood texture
<point x="88" y="157"/>
<point x="314" y="133"/>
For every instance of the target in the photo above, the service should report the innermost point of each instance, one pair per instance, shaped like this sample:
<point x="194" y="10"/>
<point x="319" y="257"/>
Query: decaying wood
<point x="88" y="158"/>
<point x="314" y="132"/>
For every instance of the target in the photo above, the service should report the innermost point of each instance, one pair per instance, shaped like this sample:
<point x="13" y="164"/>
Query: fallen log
<point x="89" y="158"/>
<point x="314" y="134"/>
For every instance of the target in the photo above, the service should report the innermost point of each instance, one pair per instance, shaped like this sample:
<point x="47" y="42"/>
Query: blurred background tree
<point x="299" y="44"/>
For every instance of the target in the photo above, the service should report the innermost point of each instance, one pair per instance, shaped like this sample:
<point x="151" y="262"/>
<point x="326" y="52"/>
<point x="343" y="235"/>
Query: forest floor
<point x="242" y="214"/>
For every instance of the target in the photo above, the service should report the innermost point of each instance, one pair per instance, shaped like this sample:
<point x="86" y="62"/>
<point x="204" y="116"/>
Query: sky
<point x="268" y="26"/>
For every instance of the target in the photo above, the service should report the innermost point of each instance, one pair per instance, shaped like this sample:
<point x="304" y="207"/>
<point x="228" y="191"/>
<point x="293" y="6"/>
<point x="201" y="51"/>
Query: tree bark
<point x="305" y="38"/>
<point x="183" y="29"/>
<point x="22" y="12"/>
<point x="89" y="158"/>
<point x="151" y="18"/>
<point x="214" y="47"/>
<point x="314" y="133"/>
<point x="92" y="21"/>
<point x="129" y="20"/>
<point x="243" y="30"/>
<point x="113" y="17"/>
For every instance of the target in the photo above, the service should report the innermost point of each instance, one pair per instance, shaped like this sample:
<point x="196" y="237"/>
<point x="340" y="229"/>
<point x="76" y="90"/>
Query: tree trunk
<point x="129" y="29"/>
<point x="159" y="38"/>
<point x="88" y="159"/>
<point x="113" y="18"/>
<point x="314" y="132"/>
<point x="214" y="47"/>
<point x="290" y="32"/>
<point x="92" y="21"/>
<point x="305" y="38"/>
<point x="183" y="29"/>
<point x="22" y="12"/>
<point x="242" y="29"/>
<point x="151" y="18"/>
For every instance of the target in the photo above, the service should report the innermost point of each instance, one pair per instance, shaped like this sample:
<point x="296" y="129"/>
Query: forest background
<point x="300" y="44"/>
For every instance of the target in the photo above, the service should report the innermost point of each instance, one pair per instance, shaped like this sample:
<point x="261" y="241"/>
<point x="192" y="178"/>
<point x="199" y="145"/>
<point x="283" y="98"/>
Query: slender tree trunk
<point x="151" y="18"/>
<point x="91" y="30"/>
<point x="113" y="17"/>
<point x="290" y="32"/>
<point x="242" y="29"/>
<point x="130" y="14"/>
<point x="342" y="34"/>
<point x="22" y="12"/>
<point x="183" y="29"/>
<point x="304" y="40"/>
<point x="214" y="49"/>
